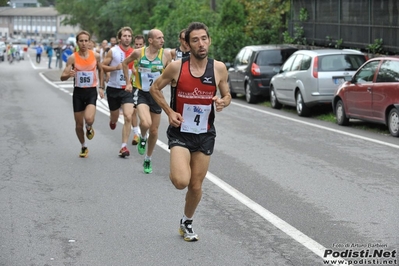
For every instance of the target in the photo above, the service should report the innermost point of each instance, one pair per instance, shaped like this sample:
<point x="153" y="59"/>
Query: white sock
<point x="147" y="158"/>
<point x="136" y="130"/>
<point x="123" y="145"/>
<point x="144" y="138"/>
<point x="185" y="218"/>
<point x="84" y="145"/>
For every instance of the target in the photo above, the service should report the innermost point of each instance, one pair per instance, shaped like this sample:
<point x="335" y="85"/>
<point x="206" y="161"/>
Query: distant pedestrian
<point x="39" y="51"/>
<point x="49" y="52"/>
<point x="58" y="55"/>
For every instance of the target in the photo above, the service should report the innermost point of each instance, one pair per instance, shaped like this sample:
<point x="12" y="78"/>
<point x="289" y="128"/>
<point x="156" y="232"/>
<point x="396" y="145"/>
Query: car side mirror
<point x="276" y="69"/>
<point x="228" y="65"/>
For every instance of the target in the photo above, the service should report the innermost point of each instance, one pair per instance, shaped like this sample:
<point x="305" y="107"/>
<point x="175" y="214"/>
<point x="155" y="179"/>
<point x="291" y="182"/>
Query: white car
<point x="311" y="77"/>
<point x="2" y="51"/>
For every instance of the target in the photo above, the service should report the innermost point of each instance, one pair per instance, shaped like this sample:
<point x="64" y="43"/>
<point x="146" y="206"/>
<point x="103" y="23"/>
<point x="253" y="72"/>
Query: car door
<point x="241" y="72"/>
<point x="293" y="80"/>
<point x="386" y="88"/>
<point x="359" y="94"/>
<point x="279" y="80"/>
<point x="234" y="69"/>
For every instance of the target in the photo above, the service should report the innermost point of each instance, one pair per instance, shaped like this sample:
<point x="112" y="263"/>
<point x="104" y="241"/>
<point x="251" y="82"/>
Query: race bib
<point x="84" y="79"/>
<point x="195" y="118"/>
<point x="147" y="79"/>
<point x="122" y="80"/>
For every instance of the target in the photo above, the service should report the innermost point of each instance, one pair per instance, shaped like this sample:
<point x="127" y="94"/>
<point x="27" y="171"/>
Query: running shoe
<point x="112" y="125"/>
<point x="90" y="133"/>
<point x="84" y="152"/>
<point x="141" y="146"/>
<point x="124" y="152"/>
<point x="147" y="167"/>
<point x="136" y="139"/>
<point x="187" y="232"/>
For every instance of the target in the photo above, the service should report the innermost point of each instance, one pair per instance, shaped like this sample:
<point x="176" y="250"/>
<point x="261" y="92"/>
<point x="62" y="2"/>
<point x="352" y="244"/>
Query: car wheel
<point x="393" y="122"/>
<point x="249" y="97"/>
<point x="340" y="114"/>
<point x="301" y="108"/>
<point x="233" y="94"/>
<point x="273" y="99"/>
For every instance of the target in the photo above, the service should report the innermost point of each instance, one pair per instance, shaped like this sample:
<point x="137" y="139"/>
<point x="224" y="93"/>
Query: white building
<point x="33" y="23"/>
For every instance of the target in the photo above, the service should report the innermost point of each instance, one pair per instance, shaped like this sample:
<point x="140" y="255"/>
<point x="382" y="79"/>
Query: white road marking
<point x="318" y="126"/>
<point x="291" y="231"/>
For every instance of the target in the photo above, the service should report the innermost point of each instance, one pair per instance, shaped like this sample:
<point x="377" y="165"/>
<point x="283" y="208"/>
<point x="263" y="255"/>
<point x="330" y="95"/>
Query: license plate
<point x="338" y="81"/>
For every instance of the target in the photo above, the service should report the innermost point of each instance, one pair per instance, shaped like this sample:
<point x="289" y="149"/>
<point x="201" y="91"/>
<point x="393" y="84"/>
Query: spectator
<point x="49" y="52"/>
<point x="39" y="51"/>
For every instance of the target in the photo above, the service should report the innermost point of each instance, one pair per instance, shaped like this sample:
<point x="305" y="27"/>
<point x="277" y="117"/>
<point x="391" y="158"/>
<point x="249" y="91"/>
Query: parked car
<point x="3" y="49"/>
<point x="371" y="95"/>
<point x="311" y="77"/>
<point x="252" y="69"/>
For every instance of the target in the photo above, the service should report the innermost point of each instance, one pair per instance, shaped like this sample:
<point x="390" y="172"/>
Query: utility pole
<point x="213" y="5"/>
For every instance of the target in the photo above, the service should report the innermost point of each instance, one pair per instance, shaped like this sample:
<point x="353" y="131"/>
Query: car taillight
<point x="315" y="68"/>
<point x="255" y="70"/>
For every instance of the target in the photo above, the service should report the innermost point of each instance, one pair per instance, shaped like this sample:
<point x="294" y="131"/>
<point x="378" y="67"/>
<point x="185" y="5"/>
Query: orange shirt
<point x="86" y="76"/>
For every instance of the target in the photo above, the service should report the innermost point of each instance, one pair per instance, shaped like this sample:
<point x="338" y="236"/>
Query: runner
<point x="151" y="62"/>
<point x="191" y="133"/>
<point x="118" y="95"/>
<point x="183" y="50"/>
<point x="138" y="43"/>
<point x="82" y="66"/>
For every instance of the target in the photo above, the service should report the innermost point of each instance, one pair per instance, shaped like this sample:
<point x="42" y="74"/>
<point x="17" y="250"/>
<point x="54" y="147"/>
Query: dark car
<point x="371" y="95"/>
<point x="253" y="68"/>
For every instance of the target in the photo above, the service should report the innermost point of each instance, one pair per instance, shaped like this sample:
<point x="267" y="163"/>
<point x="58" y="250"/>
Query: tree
<point x="230" y="37"/>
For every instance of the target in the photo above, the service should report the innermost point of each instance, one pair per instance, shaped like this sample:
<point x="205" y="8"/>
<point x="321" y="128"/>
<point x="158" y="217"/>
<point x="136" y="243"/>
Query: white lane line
<point x="318" y="126"/>
<point x="291" y="231"/>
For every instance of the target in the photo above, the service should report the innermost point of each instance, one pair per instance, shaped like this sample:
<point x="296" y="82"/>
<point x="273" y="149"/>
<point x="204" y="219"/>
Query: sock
<point x="88" y="127"/>
<point x="84" y="145"/>
<point x="147" y="158"/>
<point x="144" y="138"/>
<point x="185" y="218"/>
<point x="123" y="145"/>
<point x="136" y="130"/>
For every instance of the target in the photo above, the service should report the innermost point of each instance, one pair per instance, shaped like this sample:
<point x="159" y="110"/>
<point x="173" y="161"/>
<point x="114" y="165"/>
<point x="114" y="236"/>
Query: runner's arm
<point x="68" y="71"/>
<point x="169" y="74"/>
<point x="223" y="86"/>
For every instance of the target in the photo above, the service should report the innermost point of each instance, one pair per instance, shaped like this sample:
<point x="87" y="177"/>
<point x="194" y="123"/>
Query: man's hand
<point x="129" y="87"/>
<point x="219" y="103"/>
<point x="175" y="119"/>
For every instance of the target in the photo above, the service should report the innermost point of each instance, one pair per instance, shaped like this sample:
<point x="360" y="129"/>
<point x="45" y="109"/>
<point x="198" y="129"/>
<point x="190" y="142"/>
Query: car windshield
<point x="341" y="62"/>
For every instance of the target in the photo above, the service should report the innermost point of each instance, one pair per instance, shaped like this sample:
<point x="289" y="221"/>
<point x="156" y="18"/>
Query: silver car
<point x="311" y="77"/>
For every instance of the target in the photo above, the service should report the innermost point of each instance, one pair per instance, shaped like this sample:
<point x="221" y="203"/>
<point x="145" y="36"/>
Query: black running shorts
<point x="82" y="97"/>
<point x="146" y="98"/>
<point x="117" y="97"/>
<point x="204" y="142"/>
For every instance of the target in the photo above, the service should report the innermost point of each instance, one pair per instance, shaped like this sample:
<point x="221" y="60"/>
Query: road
<point x="281" y="190"/>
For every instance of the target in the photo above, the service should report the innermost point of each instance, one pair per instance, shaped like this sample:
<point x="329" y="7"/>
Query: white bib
<point x="195" y="118"/>
<point x="84" y="79"/>
<point x="147" y="79"/>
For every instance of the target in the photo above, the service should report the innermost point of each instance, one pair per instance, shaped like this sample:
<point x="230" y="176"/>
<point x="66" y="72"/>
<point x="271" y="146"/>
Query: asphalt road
<point x="281" y="190"/>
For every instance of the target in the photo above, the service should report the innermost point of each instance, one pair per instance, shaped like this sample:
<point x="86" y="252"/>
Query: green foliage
<point x="376" y="47"/>
<point x="228" y="37"/>
<point x="232" y="25"/>
<point x="299" y="32"/>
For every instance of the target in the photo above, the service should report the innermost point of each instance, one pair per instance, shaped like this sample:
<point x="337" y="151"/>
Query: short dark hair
<point x="195" y="26"/>
<point x="182" y="31"/>
<point x="139" y="37"/>
<point x="119" y="34"/>
<point x="82" y="32"/>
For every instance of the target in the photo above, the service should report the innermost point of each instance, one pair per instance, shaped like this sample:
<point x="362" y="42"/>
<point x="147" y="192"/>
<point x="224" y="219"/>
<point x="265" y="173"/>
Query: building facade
<point x="36" y="23"/>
